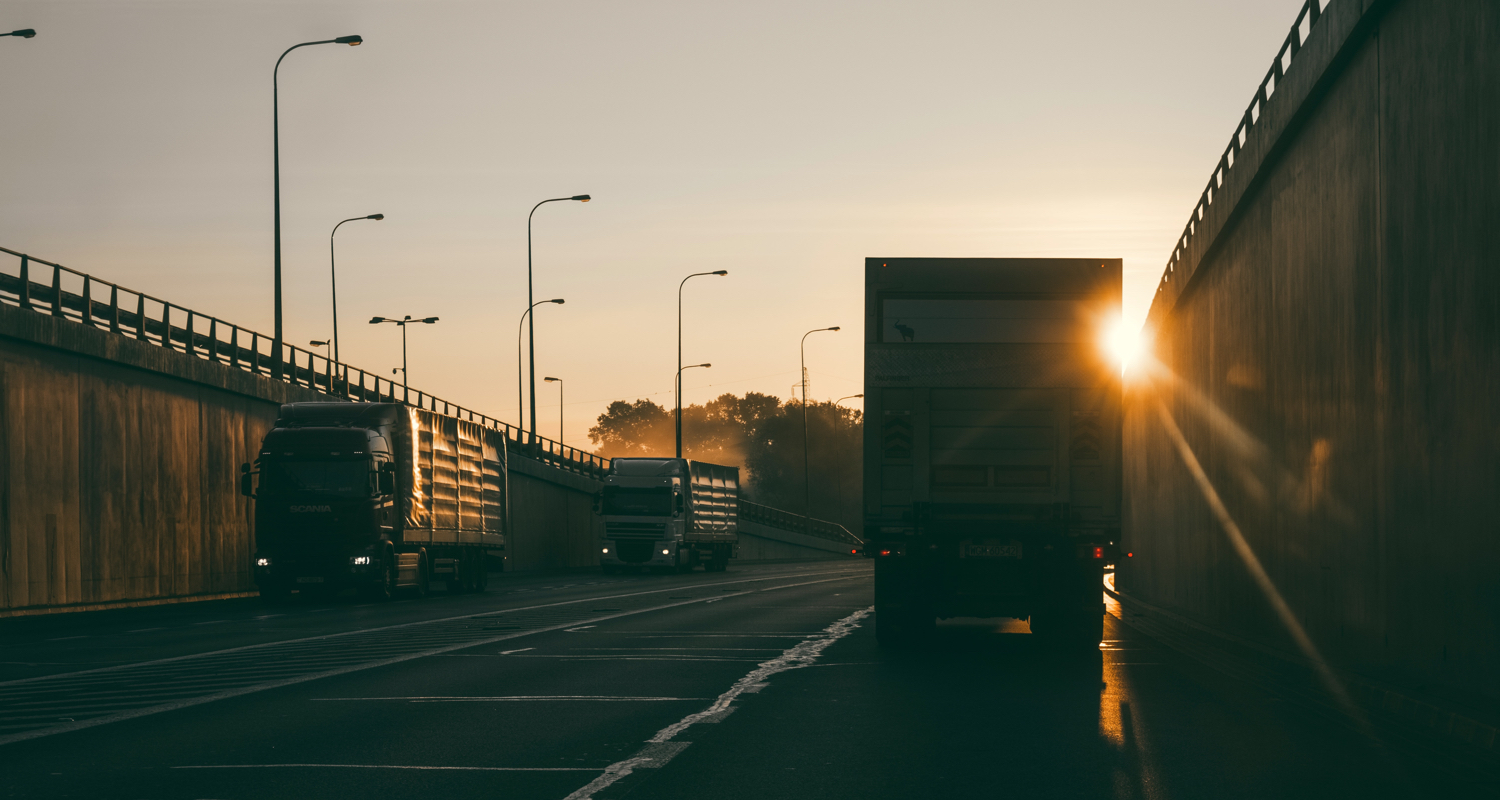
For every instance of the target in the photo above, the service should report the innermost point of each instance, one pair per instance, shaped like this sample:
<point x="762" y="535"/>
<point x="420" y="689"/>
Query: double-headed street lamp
<point x="520" y="382"/>
<point x="334" y="278"/>
<point x="24" y="33"/>
<point x="677" y="390"/>
<point x="531" y="303"/>
<point x="679" y="405"/>
<point x="559" y="382"/>
<point x="403" y="322"/>
<point x="276" y="174"/>
<point x="806" y="478"/>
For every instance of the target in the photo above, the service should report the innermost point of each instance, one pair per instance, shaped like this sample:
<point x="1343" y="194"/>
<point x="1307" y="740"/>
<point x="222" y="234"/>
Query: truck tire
<point x="719" y="562"/>
<point x="384" y="588"/>
<point x="424" y="578"/>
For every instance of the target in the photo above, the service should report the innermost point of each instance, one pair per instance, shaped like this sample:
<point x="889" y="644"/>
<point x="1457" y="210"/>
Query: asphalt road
<point x="763" y="682"/>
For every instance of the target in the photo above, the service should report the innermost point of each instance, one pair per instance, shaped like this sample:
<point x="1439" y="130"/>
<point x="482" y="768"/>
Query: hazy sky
<point x="784" y="142"/>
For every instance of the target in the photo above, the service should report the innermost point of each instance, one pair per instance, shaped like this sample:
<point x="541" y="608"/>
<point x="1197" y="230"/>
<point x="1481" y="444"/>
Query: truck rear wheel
<point x="384" y="587"/>
<point x="424" y="578"/>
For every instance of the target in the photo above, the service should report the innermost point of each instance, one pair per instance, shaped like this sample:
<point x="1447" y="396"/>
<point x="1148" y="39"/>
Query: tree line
<point x="763" y="437"/>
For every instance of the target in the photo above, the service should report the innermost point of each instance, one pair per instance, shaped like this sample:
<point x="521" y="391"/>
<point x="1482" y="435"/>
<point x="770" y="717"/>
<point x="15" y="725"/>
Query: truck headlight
<point x="666" y="552"/>
<point x="606" y="549"/>
<point x="262" y="562"/>
<point x="359" y="560"/>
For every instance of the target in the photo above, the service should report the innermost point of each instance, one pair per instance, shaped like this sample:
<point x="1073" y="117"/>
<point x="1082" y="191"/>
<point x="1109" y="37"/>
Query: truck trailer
<point x="669" y="514"/>
<point x="375" y="496"/>
<point x="992" y="464"/>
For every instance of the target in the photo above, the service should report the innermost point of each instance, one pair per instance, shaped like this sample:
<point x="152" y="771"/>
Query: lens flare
<point x="1122" y="342"/>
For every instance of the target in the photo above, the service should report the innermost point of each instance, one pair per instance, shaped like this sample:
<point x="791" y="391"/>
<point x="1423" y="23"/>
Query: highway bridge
<point x="1308" y="607"/>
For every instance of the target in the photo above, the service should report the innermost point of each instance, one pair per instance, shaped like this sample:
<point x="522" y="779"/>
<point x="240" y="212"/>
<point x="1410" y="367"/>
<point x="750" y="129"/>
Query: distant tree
<point x="631" y="429"/>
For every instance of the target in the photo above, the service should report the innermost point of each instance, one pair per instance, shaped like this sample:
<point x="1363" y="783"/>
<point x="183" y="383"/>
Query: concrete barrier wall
<point x="119" y="468"/>
<point x="1330" y="351"/>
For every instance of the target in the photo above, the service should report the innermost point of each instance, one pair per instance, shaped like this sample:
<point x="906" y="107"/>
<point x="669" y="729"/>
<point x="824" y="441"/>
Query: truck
<point x="992" y="442"/>
<point x="380" y="497"/>
<point x="668" y="514"/>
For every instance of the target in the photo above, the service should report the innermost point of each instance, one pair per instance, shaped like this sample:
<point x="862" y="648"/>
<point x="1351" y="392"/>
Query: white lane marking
<point x="387" y="766"/>
<point x="261" y="687"/>
<point x="211" y="622"/>
<point x="521" y="650"/>
<point x="367" y="631"/>
<point x="803" y="654"/>
<point x="579" y="629"/>
<point x="515" y="699"/>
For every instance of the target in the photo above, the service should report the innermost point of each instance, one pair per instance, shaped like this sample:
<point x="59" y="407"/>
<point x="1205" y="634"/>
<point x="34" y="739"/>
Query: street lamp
<point x="678" y="387"/>
<point x="559" y="382"/>
<point x="836" y="416"/>
<point x="679" y="404"/>
<point x="520" y="383"/>
<point x="806" y="478"/>
<point x="318" y="343"/>
<point x="334" y="279"/>
<point x="276" y="173"/>
<point x="24" y="33"/>
<point x="531" y="329"/>
<point x="403" y="322"/>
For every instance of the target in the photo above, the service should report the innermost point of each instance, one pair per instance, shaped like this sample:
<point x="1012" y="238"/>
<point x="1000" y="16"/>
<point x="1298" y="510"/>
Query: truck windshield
<point x="624" y="501"/>
<point x="345" y="477"/>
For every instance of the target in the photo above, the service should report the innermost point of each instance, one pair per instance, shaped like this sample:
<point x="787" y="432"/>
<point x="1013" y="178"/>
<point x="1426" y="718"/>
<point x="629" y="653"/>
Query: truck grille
<point x="636" y="530"/>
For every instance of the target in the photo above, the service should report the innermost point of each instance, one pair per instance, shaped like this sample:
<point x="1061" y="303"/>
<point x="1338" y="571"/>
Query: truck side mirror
<point x="681" y="504"/>
<point x="388" y="478"/>
<point x="245" y="488"/>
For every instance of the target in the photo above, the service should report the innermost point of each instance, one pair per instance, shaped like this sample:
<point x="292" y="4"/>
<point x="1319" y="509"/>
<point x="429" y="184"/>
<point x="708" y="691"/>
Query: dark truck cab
<point x="992" y="441"/>
<point x="375" y="496"/>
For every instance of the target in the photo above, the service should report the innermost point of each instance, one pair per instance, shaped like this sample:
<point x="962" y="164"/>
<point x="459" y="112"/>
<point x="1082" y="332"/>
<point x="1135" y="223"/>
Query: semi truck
<point x="992" y="463"/>
<point x="668" y="514"/>
<point x="381" y="497"/>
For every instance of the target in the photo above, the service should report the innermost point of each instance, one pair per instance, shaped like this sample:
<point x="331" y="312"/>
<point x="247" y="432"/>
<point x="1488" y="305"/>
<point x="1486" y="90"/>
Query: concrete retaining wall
<point x="1330" y="351"/>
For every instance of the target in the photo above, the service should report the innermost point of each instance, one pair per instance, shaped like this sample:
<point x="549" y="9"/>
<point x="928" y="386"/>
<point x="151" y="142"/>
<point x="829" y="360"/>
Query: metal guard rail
<point x="71" y="296"/>
<point x="776" y="518"/>
<point x="1311" y="11"/>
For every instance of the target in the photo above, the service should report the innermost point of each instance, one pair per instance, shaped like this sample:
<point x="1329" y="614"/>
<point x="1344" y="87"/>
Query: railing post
<point x="26" y="282"/>
<point x="255" y="353"/>
<point x="213" y="339"/>
<point x="88" y="302"/>
<point x="234" y="346"/>
<point x="114" y="309"/>
<point x="56" y="291"/>
<point x="166" y="326"/>
<point x="191" y="349"/>
<point x="140" y="317"/>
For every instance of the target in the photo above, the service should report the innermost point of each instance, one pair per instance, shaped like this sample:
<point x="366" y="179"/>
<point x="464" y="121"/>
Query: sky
<point x="781" y="141"/>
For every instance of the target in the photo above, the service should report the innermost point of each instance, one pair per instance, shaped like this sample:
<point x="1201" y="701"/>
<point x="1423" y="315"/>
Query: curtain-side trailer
<point x="377" y="496"/>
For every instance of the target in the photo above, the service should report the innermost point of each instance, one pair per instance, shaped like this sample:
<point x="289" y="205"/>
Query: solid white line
<point x="368" y="631"/>
<point x="803" y="654"/>
<point x="522" y="650"/>
<point x="388" y="766"/>
<point x="260" y="687"/>
<point x="510" y="699"/>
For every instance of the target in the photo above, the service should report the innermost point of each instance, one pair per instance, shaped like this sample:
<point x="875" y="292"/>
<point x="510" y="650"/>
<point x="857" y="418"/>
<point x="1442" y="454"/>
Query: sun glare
<point x="1122" y="342"/>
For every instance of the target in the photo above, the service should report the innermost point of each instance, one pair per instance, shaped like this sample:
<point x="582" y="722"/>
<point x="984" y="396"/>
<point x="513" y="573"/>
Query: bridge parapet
<point x="73" y="295"/>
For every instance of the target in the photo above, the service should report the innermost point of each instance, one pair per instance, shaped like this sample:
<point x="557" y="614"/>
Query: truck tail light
<point x="886" y="552"/>
<point x="1098" y="552"/>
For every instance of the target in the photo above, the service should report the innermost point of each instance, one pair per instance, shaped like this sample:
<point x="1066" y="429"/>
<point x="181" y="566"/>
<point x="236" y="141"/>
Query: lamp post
<point x="531" y="329"/>
<point x="559" y="382"/>
<point x="334" y="280"/>
<point x="403" y="322"/>
<point x="276" y="178"/>
<point x="520" y="382"/>
<point x="679" y="405"/>
<point x="806" y="478"/>
<point x="24" y="33"/>
<point x="836" y="416"/>
<point x="678" y="387"/>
